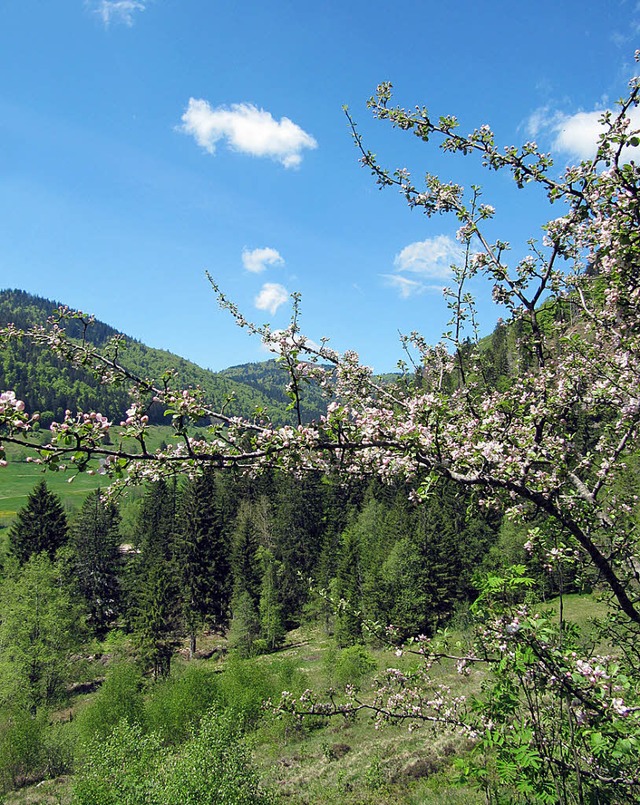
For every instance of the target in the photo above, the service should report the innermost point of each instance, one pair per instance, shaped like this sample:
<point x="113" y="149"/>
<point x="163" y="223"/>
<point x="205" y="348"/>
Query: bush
<point x="22" y="755"/>
<point x="119" y="769"/>
<point x="212" y="768"/>
<point x="176" y="705"/>
<point x="350" y="666"/>
<point x="120" y="697"/>
<point x="131" y="768"/>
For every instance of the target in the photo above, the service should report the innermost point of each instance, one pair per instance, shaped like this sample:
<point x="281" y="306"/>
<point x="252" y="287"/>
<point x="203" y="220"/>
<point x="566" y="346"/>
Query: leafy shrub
<point x="119" y="769"/>
<point x="176" y="705"/>
<point x="131" y="768"/>
<point x="244" y="686"/>
<point x="213" y="767"/>
<point x="120" y="697"/>
<point x="21" y="746"/>
<point x="350" y="666"/>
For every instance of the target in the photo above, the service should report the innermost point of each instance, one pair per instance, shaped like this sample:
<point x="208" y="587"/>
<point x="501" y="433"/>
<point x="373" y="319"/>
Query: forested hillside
<point x="229" y="564"/>
<point x="50" y="385"/>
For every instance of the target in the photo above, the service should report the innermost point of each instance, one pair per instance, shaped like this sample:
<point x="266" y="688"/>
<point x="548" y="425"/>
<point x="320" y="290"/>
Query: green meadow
<point x="19" y="477"/>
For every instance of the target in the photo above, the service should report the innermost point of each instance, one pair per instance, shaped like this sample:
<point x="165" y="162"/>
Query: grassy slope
<point x="338" y="761"/>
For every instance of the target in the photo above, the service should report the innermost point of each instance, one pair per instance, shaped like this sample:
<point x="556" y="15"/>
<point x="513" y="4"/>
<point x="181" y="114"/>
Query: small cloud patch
<point x="119" y="10"/>
<point x="272" y="296"/>
<point x="257" y="260"/>
<point x="248" y="130"/>
<point x="576" y="135"/>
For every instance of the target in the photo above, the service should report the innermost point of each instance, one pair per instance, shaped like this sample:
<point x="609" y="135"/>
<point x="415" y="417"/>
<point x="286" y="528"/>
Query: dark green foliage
<point x="244" y="632"/>
<point x="347" y="590"/>
<point x="96" y="559"/>
<point x="202" y="556"/>
<point x="272" y="631"/>
<point x="297" y="532"/>
<point x="252" y="532"/>
<point x="252" y="526"/>
<point x="408" y="565"/>
<point x="41" y="525"/>
<point x="154" y="601"/>
<point x="156" y="613"/>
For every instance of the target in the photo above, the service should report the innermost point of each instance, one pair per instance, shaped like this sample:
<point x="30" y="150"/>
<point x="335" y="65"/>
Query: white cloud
<point x="246" y="129"/>
<point x="404" y="285"/>
<point x="258" y="259"/>
<point x="575" y="135"/>
<point x="119" y="10"/>
<point x="430" y="258"/>
<point x="271" y="297"/>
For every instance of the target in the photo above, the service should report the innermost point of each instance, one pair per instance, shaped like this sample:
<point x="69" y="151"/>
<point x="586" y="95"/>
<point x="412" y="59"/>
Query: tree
<point x="555" y="723"/>
<point x="251" y="535"/>
<point x="297" y="539"/>
<point x="96" y="559"/>
<point x="40" y="526"/>
<point x="40" y="626"/>
<point x="202" y="555"/>
<point x="153" y="590"/>
<point x="272" y="630"/>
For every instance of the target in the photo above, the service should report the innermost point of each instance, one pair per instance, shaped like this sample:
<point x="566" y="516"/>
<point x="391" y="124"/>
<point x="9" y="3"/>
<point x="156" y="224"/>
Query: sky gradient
<point x="144" y="142"/>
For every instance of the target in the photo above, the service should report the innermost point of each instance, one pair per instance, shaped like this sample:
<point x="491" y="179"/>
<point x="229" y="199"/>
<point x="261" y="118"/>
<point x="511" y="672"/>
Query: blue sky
<point x="143" y="142"/>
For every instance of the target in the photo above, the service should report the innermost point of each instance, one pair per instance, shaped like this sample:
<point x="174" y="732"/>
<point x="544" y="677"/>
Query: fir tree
<point x="40" y="526"/>
<point x="272" y="629"/>
<point x="96" y="559"/>
<point x="348" y="590"/>
<point x="202" y="554"/>
<point x="152" y="588"/>
<point x="298" y="524"/>
<point x="252" y="533"/>
<point x="250" y="526"/>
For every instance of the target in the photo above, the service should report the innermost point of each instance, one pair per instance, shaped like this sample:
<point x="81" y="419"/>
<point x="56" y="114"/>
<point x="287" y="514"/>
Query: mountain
<point x="50" y="386"/>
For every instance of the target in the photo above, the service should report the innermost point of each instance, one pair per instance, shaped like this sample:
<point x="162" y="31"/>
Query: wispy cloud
<point x="256" y="260"/>
<point x="404" y="285"/>
<point x="271" y="297"/>
<point x="248" y="130"/>
<point x="575" y="135"/>
<point x="119" y="10"/>
<point x="428" y="261"/>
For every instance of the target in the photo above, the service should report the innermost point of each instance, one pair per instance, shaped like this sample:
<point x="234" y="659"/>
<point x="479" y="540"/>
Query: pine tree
<point x="250" y="526"/>
<point x="202" y="554"/>
<point x="251" y="534"/>
<point x="153" y="589"/>
<point x="272" y="630"/>
<point x="298" y="527"/>
<point x="40" y="526"/>
<point x="96" y="559"/>
<point x="347" y="590"/>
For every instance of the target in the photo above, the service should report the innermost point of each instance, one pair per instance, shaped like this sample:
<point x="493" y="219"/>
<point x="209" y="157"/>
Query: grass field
<point x="19" y="477"/>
